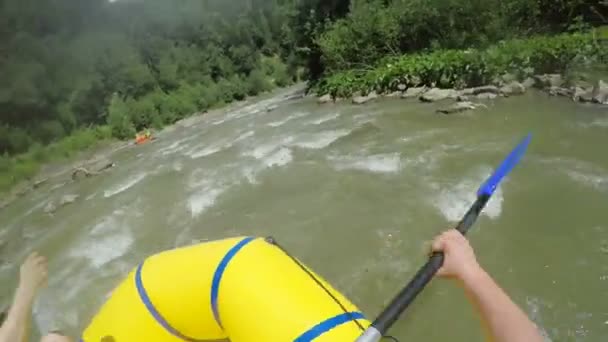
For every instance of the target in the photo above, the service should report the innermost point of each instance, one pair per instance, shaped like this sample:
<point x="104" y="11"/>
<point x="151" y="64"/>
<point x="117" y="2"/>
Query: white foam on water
<point x="130" y="182"/>
<point x="250" y="174"/>
<point x="242" y="137"/>
<point x="454" y="201"/>
<point x="600" y="122"/>
<point x="207" y="151"/>
<point x="281" y="157"/>
<point x="203" y="199"/>
<point x="173" y="148"/>
<point x="281" y="122"/>
<point x="325" y="118"/>
<point x="421" y="135"/>
<point x="321" y="140"/>
<point x="177" y="166"/>
<point x="108" y="240"/>
<point x="265" y="149"/>
<point x="596" y="181"/>
<point x="379" y="163"/>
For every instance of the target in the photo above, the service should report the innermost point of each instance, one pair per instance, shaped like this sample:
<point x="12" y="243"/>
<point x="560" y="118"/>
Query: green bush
<point x="257" y="83"/>
<point x="119" y="119"/>
<point x="143" y="112"/>
<point x="472" y="67"/>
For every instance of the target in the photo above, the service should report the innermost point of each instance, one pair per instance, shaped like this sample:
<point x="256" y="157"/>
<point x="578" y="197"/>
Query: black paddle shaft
<point x="398" y="305"/>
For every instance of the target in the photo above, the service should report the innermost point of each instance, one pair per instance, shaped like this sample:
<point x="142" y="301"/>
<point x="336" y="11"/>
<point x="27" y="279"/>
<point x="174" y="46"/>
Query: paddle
<point x="398" y="305"/>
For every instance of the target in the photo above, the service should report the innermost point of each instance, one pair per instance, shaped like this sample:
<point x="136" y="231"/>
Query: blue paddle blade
<point x="490" y="185"/>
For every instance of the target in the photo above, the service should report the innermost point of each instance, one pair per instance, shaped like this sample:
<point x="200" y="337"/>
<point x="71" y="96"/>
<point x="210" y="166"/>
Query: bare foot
<point x="33" y="274"/>
<point x="53" y="337"/>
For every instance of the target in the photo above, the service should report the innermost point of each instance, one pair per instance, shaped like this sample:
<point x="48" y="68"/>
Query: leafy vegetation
<point x="70" y="67"/>
<point x="375" y="29"/>
<point x="471" y="67"/>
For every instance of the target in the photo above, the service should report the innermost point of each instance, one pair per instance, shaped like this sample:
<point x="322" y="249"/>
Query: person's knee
<point x="54" y="337"/>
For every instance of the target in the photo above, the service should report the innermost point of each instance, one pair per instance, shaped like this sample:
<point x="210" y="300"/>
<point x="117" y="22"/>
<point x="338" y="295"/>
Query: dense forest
<point x="76" y="72"/>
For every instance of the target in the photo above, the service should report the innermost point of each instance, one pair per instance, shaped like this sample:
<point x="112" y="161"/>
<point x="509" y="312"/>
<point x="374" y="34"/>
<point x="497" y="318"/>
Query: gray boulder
<point x="394" y="94"/>
<point x="528" y="82"/>
<point x="459" y="107"/>
<point x="365" y="99"/>
<point x="559" y="91"/>
<point x="413" y="92"/>
<point x="414" y="80"/>
<point x="480" y="90"/>
<point x="486" y="96"/>
<point x="324" y="99"/>
<point x="600" y="92"/>
<point x="513" y="88"/>
<point x="549" y="80"/>
<point x="582" y="94"/>
<point x="462" y="98"/>
<point x="436" y="94"/>
<point x="401" y="87"/>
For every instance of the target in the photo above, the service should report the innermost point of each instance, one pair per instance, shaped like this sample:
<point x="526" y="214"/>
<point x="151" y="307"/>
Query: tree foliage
<point x="68" y="64"/>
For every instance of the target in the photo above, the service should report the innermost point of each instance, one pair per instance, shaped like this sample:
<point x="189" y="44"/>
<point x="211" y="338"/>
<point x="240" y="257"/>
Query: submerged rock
<point x="365" y="99"/>
<point x="459" y="107"/>
<point x="68" y="199"/>
<point x="271" y="108"/>
<point x="413" y="92"/>
<point x="52" y="207"/>
<point x="436" y="94"/>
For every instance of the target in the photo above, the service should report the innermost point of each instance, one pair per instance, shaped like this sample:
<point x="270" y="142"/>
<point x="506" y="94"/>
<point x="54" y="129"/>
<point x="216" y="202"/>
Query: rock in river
<point x="324" y="99"/>
<point x="487" y="96"/>
<point x="459" y="107"/>
<point x="481" y="90"/>
<point x="549" y="80"/>
<point x="600" y="92"/>
<point x="528" y="82"/>
<point x="513" y="88"/>
<point x="436" y="94"/>
<point x="582" y="95"/>
<point x="413" y="92"/>
<point x="365" y="99"/>
<point x="52" y="207"/>
<point x="559" y="91"/>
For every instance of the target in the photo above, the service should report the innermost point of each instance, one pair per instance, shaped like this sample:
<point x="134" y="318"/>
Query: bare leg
<point x="32" y="277"/>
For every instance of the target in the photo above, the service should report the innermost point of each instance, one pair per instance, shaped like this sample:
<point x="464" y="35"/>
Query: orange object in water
<point x="141" y="139"/>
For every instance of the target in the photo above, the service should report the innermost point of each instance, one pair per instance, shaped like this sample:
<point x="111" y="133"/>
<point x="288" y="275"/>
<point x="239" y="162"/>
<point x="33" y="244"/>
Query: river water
<point x="355" y="192"/>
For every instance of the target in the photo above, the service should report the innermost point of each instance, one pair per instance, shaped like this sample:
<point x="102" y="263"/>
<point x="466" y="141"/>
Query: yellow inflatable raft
<point x="242" y="290"/>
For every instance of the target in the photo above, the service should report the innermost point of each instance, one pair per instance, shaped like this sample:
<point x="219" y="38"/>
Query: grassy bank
<point x="126" y="116"/>
<point x="24" y="167"/>
<point x="472" y="67"/>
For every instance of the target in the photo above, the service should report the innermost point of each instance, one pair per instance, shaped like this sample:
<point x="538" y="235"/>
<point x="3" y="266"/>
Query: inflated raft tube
<point x="239" y="290"/>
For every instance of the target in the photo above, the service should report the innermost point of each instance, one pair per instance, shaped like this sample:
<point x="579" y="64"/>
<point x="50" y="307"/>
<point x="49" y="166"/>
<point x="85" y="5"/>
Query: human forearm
<point x="15" y="328"/>
<point x="504" y="320"/>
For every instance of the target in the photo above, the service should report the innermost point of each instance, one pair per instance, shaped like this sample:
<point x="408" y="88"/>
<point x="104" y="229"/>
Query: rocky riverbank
<point x="466" y="99"/>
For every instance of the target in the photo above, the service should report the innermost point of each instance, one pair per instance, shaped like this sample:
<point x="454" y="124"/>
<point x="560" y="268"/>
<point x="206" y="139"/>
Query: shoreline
<point x="91" y="157"/>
